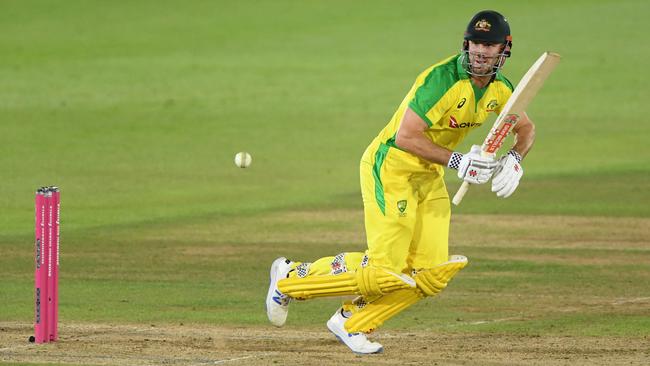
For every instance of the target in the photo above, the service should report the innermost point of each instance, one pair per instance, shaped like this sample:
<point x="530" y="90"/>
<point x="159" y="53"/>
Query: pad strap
<point x="433" y="280"/>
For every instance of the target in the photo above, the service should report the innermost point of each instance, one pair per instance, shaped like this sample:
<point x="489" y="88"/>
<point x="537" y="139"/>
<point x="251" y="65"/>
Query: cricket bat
<point x="515" y="108"/>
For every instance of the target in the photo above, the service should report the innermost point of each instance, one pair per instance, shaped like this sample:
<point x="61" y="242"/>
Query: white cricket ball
<point x="243" y="159"/>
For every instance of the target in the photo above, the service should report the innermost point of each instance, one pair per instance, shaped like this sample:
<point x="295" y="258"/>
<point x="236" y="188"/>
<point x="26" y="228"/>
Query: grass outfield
<point x="136" y="109"/>
<point x="145" y="108"/>
<point x="553" y="289"/>
<point x="564" y="272"/>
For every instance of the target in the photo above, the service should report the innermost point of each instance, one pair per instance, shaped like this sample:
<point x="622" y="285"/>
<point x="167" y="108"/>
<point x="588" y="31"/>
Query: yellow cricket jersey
<point x="445" y="98"/>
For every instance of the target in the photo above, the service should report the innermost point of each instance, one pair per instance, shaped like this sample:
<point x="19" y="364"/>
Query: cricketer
<point x="406" y="203"/>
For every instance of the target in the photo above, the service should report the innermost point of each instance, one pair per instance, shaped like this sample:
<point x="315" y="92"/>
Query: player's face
<point x="483" y="56"/>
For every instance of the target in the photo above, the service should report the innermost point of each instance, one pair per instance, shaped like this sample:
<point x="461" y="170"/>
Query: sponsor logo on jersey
<point x="461" y="103"/>
<point x="453" y="123"/>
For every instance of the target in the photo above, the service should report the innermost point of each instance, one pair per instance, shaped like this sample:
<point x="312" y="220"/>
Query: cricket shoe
<point x="277" y="303"/>
<point x="357" y="342"/>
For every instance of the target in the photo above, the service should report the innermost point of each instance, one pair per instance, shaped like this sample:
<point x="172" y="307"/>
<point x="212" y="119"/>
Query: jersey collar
<point x="462" y="73"/>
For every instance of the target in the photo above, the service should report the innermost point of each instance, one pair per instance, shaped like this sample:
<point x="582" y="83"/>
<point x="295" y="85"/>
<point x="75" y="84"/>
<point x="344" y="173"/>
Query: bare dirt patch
<point x="95" y="344"/>
<point x="551" y="231"/>
<point x="345" y="226"/>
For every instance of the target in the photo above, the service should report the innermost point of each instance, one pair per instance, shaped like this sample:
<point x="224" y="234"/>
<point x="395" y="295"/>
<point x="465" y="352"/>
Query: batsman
<point x="406" y="203"/>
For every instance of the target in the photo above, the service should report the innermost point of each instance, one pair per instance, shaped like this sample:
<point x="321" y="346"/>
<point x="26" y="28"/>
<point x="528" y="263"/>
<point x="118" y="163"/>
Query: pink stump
<point x="40" y="272"/>
<point x="46" y="281"/>
<point x="54" y="292"/>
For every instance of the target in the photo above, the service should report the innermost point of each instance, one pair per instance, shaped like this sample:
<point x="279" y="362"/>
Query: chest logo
<point x="461" y="103"/>
<point x="401" y="206"/>
<point x="453" y="123"/>
<point x="490" y="107"/>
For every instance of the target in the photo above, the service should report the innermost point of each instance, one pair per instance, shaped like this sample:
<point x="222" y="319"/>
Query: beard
<point x="482" y="64"/>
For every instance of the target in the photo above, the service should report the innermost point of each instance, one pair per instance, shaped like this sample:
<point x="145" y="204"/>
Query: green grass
<point x="148" y="106"/>
<point x="136" y="109"/>
<point x="214" y="271"/>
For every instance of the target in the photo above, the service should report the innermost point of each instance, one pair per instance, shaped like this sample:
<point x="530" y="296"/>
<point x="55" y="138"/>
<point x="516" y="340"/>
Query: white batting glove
<point x="507" y="174"/>
<point x="473" y="167"/>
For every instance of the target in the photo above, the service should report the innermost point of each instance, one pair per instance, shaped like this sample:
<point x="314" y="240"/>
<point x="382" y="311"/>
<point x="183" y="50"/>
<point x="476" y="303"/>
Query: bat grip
<point x="460" y="194"/>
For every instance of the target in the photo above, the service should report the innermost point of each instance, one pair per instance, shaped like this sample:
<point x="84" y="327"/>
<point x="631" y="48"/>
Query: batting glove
<point x="473" y="167"/>
<point x="507" y="174"/>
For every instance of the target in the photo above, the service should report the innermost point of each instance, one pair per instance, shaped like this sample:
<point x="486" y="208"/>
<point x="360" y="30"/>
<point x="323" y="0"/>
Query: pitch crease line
<point x="238" y="358"/>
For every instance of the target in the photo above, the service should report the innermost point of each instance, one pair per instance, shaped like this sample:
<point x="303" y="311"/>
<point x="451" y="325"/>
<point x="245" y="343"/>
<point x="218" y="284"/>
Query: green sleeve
<point x="430" y="93"/>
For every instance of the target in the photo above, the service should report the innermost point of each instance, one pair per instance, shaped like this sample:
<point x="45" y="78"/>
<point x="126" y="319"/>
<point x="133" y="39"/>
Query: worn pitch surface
<point x="94" y="344"/>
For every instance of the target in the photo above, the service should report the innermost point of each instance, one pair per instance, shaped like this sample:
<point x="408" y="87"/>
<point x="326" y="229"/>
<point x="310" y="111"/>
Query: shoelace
<point x="285" y="300"/>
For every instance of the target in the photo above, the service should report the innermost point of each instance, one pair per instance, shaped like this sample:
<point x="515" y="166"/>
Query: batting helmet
<point x="489" y="26"/>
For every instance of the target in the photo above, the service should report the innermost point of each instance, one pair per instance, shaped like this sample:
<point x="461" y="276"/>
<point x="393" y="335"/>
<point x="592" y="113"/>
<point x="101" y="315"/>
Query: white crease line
<point x="495" y="320"/>
<point x="479" y="322"/>
<point x="16" y="347"/>
<point x="638" y="299"/>
<point x="238" y="358"/>
<point x="153" y="360"/>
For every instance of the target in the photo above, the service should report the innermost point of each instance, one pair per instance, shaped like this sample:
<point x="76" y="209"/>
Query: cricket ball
<point x="243" y="159"/>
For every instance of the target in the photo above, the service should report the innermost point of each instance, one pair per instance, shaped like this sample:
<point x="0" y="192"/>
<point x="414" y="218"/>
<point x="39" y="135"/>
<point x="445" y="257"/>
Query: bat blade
<point x="514" y="109"/>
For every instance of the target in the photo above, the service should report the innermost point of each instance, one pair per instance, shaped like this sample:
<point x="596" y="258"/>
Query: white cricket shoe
<point x="277" y="303"/>
<point x="357" y="342"/>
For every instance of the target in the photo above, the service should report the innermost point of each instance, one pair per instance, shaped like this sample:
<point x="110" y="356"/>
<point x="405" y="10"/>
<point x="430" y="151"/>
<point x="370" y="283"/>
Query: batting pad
<point x="433" y="280"/>
<point x="430" y="282"/>
<point x="366" y="281"/>
<point x="373" y="315"/>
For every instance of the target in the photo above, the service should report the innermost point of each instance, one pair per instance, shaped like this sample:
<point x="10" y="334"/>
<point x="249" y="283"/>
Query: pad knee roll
<point x="368" y="281"/>
<point x="433" y="280"/>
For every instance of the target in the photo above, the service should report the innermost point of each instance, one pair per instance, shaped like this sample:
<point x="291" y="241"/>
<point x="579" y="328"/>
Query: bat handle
<point x="460" y="194"/>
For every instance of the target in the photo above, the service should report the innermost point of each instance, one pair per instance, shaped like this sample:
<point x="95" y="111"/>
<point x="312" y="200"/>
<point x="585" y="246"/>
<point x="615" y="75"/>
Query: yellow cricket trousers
<point x="406" y="209"/>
